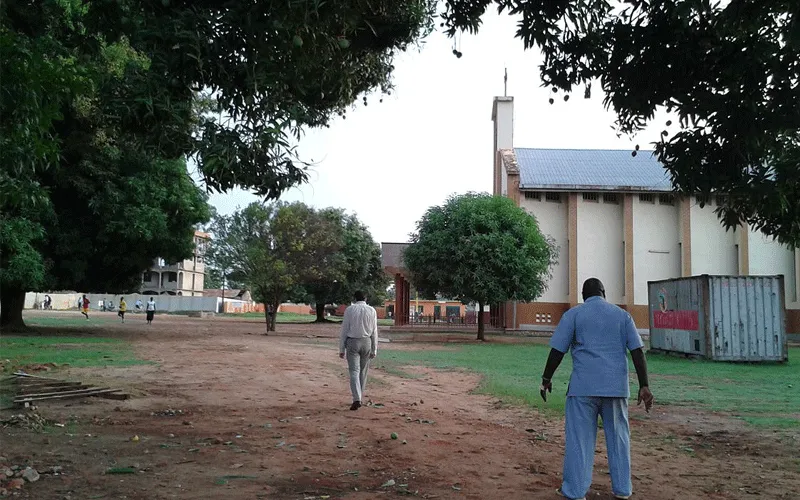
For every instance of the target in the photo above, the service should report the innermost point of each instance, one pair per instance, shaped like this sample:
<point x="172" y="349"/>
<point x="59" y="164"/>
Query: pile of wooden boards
<point x="28" y="389"/>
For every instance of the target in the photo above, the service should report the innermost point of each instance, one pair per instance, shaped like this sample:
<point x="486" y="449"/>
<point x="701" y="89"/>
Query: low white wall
<point x="164" y="303"/>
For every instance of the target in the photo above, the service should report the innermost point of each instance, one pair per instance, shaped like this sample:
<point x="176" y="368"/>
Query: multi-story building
<point x="181" y="278"/>
<point x="614" y="216"/>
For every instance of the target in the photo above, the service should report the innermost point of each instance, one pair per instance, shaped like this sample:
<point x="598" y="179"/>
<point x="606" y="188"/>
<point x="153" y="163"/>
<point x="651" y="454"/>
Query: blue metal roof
<point x="581" y="169"/>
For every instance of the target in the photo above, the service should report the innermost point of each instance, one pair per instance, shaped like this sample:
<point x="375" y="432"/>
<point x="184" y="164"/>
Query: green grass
<point x="758" y="394"/>
<point x="286" y="317"/>
<point x="72" y="351"/>
<point x="63" y="320"/>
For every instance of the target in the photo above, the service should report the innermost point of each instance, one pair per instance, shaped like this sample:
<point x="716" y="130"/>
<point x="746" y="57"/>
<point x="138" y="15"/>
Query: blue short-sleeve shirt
<point x="599" y="335"/>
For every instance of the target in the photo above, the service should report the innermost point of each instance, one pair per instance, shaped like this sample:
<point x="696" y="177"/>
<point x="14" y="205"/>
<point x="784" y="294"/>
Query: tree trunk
<point x="12" y="301"/>
<point x="223" y="293"/>
<point x="320" y="307"/>
<point x="480" y="321"/>
<point x="274" y="318"/>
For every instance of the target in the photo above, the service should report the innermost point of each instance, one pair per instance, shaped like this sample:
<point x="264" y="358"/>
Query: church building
<point x="614" y="216"/>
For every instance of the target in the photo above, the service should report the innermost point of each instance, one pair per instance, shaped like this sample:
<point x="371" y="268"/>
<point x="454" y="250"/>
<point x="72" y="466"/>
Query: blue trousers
<point x="581" y="436"/>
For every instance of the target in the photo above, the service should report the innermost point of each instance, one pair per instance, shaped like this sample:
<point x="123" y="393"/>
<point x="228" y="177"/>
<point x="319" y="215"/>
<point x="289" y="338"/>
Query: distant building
<point x="182" y="278"/>
<point x="614" y="216"/>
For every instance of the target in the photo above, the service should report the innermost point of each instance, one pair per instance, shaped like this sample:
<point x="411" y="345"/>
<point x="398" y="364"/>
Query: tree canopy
<point x="343" y="258"/>
<point x="728" y="71"/>
<point x="104" y="101"/>
<point x="282" y="251"/>
<point x="482" y="249"/>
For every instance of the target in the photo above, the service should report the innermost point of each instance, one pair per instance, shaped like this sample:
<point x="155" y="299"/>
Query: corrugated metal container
<point x="724" y="318"/>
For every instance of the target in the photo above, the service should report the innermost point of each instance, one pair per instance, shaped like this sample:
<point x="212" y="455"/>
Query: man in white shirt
<point x="359" y="340"/>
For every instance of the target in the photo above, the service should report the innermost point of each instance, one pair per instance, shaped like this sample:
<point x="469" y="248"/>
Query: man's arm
<point x="640" y="363"/>
<point x="636" y="346"/>
<point x="559" y="344"/>
<point x="345" y="330"/>
<point x="553" y="360"/>
<point x="374" y="334"/>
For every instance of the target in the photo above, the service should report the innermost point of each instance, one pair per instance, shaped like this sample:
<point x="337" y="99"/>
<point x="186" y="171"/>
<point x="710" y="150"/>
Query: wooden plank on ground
<point x="64" y="396"/>
<point x="113" y="395"/>
<point x="37" y="390"/>
<point x="49" y="384"/>
<point x="77" y="391"/>
<point x="28" y="375"/>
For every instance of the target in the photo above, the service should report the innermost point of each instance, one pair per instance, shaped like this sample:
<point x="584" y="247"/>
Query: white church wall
<point x="770" y="257"/>
<point x="552" y="218"/>
<point x="714" y="250"/>
<point x="601" y="252"/>
<point x="656" y="245"/>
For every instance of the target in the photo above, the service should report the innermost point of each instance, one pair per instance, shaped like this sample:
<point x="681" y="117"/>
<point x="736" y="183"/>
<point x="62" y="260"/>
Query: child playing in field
<point x="85" y="309"/>
<point x="123" y="306"/>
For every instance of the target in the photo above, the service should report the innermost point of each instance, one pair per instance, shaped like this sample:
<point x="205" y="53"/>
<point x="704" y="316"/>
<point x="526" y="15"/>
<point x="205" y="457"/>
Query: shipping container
<point x="723" y="318"/>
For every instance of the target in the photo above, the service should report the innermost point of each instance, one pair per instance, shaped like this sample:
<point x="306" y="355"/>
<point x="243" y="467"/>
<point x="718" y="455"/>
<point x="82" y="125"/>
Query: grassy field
<point x="284" y="317"/>
<point x="767" y="395"/>
<point x="76" y="320"/>
<point x="73" y="351"/>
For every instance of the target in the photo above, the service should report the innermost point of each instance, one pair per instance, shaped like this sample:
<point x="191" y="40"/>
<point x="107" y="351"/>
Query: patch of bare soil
<point x="226" y="412"/>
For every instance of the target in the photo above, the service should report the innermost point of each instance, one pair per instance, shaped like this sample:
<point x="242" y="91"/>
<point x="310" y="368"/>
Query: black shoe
<point x="356" y="405"/>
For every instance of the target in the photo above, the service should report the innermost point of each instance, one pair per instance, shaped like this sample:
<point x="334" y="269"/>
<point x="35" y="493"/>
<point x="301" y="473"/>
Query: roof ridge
<point x="584" y="149"/>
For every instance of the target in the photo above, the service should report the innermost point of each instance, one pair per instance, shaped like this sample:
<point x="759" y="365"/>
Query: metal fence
<point x="469" y="320"/>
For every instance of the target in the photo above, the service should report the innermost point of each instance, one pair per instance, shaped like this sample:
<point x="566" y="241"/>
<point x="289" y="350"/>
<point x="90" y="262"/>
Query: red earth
<point x="267" y="417"/>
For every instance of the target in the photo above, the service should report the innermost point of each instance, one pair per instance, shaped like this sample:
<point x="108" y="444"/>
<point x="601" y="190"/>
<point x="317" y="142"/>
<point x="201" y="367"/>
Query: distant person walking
<point x="139" y="305"/>
<point x="359" y="340"/>
<point x="84" y="304"/>
<point x="150" y="310"/>
<point x="123" y="308"/>
<point x="599" y="335"/>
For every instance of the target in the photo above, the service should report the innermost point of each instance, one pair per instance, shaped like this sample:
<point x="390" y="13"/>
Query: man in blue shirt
<point x="599" y="334"/>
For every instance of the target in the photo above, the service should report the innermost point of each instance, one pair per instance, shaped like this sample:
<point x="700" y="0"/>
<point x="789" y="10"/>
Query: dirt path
<point x="267" y="417"/>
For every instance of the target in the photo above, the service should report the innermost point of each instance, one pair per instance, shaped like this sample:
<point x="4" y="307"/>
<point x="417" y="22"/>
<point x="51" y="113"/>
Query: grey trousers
<point x="358" y="351"/>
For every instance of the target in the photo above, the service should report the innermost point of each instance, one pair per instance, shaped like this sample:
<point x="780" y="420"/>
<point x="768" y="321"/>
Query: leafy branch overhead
<point x="728" y="72"/>
<point x="269" y="69"/>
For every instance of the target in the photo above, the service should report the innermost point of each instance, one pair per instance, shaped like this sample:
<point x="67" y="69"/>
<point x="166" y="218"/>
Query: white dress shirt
<point x="360" y="321"/>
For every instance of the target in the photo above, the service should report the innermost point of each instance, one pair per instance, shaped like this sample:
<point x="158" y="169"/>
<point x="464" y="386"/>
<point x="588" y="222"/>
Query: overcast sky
<point x="388" y="162"/>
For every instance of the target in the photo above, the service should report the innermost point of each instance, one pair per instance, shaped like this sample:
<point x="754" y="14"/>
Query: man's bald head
<point x="593" y="287"/>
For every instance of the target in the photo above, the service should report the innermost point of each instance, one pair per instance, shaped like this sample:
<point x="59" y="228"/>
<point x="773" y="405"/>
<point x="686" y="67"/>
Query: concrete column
<point x="685" y="216"/>
<point x="572" y="232"/>
<point x="406" y="300"/>
<point x="398" y="299"/>
<point x="513" y="187"/>
<point x="503" y="122"/>
<point x="627" y="210"/>
<point x="796" y="274"/>
<point x="744" y="249"/>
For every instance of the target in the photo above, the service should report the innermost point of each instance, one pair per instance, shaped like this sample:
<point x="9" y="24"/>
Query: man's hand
<point x="371" y="356"/>
<point x="547" y="386"/>
<point x="646" y="396"/>
<point x="341" y="355"/>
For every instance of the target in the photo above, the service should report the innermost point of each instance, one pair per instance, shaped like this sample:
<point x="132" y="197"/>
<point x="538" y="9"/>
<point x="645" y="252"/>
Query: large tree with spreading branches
<point x="104" y="101"/>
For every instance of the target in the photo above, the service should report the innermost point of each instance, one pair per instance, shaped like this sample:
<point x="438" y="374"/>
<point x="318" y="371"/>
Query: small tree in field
<point x="480" y="248"/>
